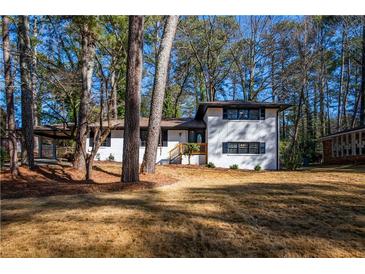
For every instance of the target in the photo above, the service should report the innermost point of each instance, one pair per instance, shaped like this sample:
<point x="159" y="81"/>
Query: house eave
<point x="235" y="104"/>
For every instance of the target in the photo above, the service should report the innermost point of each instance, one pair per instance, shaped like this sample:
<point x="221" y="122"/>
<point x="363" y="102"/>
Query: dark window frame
<point x="245" y="114"/>
<point x="107" y="142"/>
<point x="162" y="139"/>
<point x="251" y="148"/>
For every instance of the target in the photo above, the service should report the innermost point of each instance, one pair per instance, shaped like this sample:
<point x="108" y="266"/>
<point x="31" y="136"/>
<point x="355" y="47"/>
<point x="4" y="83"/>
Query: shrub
<point x="257" y="167"/>
<point x="189" y="149"/>
<point x="111" y="157"/>
<point x="235" y="166"/>
<point x="210" y="165"/>
<point x="292" y="158"/>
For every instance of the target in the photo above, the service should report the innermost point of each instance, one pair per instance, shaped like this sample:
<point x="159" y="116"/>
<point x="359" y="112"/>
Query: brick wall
<point x="328" y="159"/>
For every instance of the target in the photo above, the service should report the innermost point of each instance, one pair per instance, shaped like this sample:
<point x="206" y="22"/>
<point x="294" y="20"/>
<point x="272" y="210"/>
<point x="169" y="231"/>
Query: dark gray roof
<point x="61" y="131"/>
<point x="55" y="131"/>
<point x="174" y="123"/>
<point x="237" y="103"/>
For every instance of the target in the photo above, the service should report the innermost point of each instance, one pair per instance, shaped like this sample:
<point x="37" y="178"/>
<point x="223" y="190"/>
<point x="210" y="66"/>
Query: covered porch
<point x="54" y="142"/>
<point x="183" y="153"/>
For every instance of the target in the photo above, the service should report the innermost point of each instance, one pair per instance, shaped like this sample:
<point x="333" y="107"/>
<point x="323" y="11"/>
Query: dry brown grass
<point x="207" y="213"/>
<point x="49" y="180"/>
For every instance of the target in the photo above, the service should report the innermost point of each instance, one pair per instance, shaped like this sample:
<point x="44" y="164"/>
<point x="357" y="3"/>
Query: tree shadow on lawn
<point x="248" y="220"/>
<point x="51" y="181"/>
<point x="99" y="168"/>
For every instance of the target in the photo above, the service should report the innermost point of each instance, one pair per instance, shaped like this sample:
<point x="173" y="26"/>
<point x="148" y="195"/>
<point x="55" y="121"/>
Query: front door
<point x="196" y="136"/>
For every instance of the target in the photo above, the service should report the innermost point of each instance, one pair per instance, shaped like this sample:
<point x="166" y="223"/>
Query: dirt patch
<point x="50" y="180"/>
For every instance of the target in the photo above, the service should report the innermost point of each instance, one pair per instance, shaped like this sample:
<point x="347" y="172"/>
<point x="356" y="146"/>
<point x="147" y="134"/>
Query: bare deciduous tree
<point x="87" y="53"/>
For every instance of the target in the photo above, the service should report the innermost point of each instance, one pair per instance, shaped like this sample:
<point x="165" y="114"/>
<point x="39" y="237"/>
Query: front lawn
<point x="197" y="212"/>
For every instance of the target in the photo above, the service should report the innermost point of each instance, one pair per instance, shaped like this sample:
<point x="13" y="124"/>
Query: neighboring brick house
<point x="347" y="146"/>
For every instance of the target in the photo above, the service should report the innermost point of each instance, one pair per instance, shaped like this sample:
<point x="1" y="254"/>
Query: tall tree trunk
<point x="158" y="95"/>
<point x="345" y="96"/>
<point x="362" y="89"/>
<point x="130" y="171"/>
<point x="26" y="89"/>
<point x="357" y="100"/>
<point x="328" y="109"/>
<point x="36" y="104"/>
<point x="9" y="90"/>
<point x="114" y="96"/>
<point x="322" y="85"/>
<point x="341" y="79"/>
<point x="87" y="55"/>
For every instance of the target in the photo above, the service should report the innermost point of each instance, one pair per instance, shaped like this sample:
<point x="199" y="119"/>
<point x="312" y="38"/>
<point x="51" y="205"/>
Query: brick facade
<point x="330" y="157"/>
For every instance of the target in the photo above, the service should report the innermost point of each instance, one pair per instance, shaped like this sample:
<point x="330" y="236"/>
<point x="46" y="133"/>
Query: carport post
<point x="54" y="149"/>
<point x="40" y="142"/>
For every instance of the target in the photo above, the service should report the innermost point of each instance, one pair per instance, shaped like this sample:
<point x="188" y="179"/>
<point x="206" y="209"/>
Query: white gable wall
<point x="219" y="131"/>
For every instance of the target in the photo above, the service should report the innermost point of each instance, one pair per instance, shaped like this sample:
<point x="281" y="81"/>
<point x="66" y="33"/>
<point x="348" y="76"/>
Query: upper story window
<point x="243" y="113"/>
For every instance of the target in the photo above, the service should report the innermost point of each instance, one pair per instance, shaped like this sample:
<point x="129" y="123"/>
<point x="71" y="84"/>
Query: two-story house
<point x="227" y="133"/>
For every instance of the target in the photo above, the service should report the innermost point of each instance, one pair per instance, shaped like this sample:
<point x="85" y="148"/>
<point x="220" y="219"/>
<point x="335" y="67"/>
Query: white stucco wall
<point x="219" y="131"/>
<point x="116" y="146"/>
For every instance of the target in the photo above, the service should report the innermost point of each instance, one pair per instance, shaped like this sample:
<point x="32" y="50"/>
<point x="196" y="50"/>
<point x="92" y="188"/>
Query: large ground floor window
<point x="162" y="139"/>
<point x="106" y="143"/>
<point x="243" y="148"/>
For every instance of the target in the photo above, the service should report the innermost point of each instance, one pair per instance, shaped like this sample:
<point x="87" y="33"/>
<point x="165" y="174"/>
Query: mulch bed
<point x="54" y="180"/>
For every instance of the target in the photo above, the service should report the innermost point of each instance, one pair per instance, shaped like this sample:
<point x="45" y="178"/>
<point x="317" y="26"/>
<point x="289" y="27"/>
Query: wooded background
<point x="315" y="63"/>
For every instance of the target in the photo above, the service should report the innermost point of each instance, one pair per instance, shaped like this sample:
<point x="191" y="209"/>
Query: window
<point x="243" y="148"/>
<point x="243" y="114"/>
<point x="143" y="136"/>
<point x="106" y="142"/>
<point x="232" y="114"/>
<point x="232" y="148"/>
<point x="262" y="114"/>
<point x="254" y="148"/>
<point x="162" y="141"/>
<point x="262" y="148"/>
<point x="254" y="114"/>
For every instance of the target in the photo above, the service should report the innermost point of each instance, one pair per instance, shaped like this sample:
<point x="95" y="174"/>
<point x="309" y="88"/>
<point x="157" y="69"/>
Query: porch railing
<point x="202" y="148"/>
<point x="180" y="149"/>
